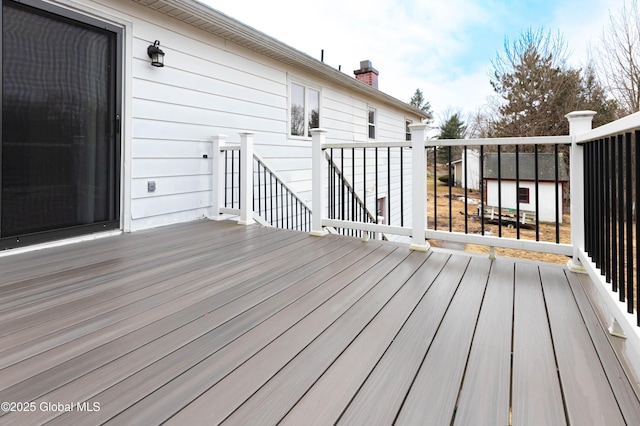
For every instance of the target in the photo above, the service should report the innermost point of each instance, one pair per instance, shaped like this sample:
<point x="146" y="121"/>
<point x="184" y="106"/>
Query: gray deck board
<point x="484" y="396"/>
<point x="588" y="395"/>
<point x="225" y="396"/>
<point x="352" y="345"/>
<point x="433" y="394"/>
<point x="224" y="292"/>
<point x="624" y="393"/>
<point x="536" y="395"/>
<point x="213" y="322"/>
<point x="134" y="375"/>
<point x="92" y="301"/>
<point x="392" y="377"/>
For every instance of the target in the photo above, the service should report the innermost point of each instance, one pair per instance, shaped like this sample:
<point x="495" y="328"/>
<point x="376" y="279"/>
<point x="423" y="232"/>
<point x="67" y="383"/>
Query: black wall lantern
<point x="156" y="54"/>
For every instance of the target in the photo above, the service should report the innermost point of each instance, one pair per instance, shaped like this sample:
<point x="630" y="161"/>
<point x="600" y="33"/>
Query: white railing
<point x="417" y="227"/>
<point x="606" y="240"/>
<point x="413" y="196"/>
<point x="244" y="186"/>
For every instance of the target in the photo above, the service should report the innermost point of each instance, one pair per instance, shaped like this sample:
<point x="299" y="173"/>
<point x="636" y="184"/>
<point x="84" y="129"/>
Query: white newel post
<point x="318" y="179"/>
<point x="246" y="178"/>
<point x="579" y="122"/>
<point x="217" y="176"/>
<point x="419" y="182"/>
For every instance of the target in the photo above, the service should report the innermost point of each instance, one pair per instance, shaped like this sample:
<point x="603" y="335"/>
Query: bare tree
<point x="618" y="55"/>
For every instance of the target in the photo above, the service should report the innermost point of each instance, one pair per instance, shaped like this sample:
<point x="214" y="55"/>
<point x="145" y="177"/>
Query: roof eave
<point x="208" y="19"/>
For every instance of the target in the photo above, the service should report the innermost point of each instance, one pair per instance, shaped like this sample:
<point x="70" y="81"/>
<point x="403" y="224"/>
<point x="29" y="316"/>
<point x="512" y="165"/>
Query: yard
<point x="546" y="231"/>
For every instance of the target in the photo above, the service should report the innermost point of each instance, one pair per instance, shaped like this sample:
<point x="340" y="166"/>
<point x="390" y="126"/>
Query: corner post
<point x="246" y="178"/>
<point x="217" y="176"/>
<point x="419" y="184"/>
<point x="318" y="179"/>
<point x="579" y="122"/>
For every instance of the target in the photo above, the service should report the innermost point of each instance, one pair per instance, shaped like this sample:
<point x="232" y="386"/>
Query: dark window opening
<point x="60" y="147"/>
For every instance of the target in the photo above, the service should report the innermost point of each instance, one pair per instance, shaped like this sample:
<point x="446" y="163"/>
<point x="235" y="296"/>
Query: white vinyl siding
<point x="211" y="86"/>
<point x="510" y="194"/>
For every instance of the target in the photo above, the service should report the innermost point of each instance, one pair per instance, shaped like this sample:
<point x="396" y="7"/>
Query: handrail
<point x="352" y="192"/>
<point x="630" y="122"/>
<point x="291" y="213"/>
<point x="467" y="236"/>
<point x="529" y="140"/>
<point x="280" y="179"/>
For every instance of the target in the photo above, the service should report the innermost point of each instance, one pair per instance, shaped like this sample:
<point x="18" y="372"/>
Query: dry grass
<point x="547" y="230"/>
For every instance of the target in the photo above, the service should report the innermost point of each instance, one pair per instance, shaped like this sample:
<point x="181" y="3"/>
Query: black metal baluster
<point x="353" y="184"/>
<point x="637" y="203"/>
<point x="605" y="207"/>
<point x="628" y="221"/>
<point x="588" y="191"/>
<point x="466" y="191"/>
<point x="557" y="191"/>
<point x="537" y="191"/>
<point x="388" y="212"/>
<point x="614" y="217"/>
<point x="402" y="186"/>
<point x="375" y="209"/>
<point x="482" y="190"/>
<point x="226" y="177"/>
<point x="517" y="191"/>
<point x="342" y="184"/>
<point x="499" y="194"/>
<point x="621" y="275"/>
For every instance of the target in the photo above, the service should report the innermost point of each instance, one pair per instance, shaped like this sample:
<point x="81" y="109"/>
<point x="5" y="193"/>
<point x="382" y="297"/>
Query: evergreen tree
<point x="418" y="101"/>
<point x="537" y="89"/>
<point x="452" y="128"/>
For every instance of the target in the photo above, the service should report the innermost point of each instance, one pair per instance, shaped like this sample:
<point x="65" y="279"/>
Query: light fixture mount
<point x="156" y="54"/>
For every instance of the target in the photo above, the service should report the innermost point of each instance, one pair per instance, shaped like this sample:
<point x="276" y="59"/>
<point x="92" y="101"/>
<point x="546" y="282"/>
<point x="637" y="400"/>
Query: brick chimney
<point x="367" y="74"/>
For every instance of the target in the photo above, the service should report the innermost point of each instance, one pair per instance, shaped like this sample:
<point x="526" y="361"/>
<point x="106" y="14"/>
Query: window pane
<point x="297" y="110"/>
<point x="523" y="195"/>
<point x="407" y="130"/>
<point x="314" y="109"/>
<point x="372" y="123"/>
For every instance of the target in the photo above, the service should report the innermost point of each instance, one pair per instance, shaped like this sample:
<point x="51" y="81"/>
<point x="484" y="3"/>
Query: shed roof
<point x="208" y="19"/>
<point x="527" y="169"/>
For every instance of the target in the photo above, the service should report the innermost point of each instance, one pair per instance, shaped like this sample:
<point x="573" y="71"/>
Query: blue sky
<point x="445" y="48"/>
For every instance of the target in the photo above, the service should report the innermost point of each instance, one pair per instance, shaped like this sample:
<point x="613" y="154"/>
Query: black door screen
<point x="60" y="136"/>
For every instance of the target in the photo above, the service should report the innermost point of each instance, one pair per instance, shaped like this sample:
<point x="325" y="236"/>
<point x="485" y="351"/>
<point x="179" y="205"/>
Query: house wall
<point x="471" y="167"/>
<point x="210" y="86"/>
<point x="509" y="197"/>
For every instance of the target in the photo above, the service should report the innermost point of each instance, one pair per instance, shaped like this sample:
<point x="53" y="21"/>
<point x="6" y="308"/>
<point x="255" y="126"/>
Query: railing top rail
<point x="628" y="123"/>
<point x="534" y="140"/>
<point x="391" y="144"/>
<point x="279" y="178"/>
<point x="230" y="148"/>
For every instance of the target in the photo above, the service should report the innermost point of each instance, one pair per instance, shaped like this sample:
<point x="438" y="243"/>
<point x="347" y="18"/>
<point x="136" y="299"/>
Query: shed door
<point x="60" y="148"/>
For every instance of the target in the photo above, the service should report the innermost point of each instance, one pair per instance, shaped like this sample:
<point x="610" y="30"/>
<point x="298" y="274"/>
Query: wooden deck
<point x="213" y="322"/>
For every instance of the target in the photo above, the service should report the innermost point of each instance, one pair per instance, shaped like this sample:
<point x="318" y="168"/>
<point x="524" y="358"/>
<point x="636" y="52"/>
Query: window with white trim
<point x="305" y="110"/>
<point x="407" y="130"/>
<point x="372" y="123"/>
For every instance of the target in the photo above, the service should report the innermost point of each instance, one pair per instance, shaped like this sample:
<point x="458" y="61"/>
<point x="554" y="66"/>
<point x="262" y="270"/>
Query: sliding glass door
<point x="60" y="149"/>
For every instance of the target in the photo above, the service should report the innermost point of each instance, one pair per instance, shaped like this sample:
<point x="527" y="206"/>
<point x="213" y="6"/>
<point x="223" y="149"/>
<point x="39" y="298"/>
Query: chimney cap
<point x="365" y="67"/>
